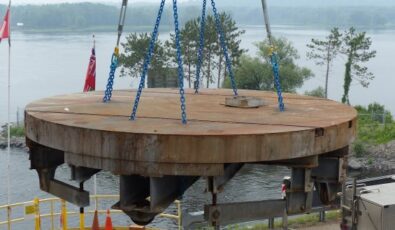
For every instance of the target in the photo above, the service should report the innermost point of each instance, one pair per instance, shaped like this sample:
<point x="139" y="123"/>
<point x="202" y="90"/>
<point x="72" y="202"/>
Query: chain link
<point x="201" y="47"/>
<point x="147" y="60"/>
<point x="110" y="82"/>
<point x="180" y="65"/>
<point x="224" y="47"/>
<point x="274" y="60"/>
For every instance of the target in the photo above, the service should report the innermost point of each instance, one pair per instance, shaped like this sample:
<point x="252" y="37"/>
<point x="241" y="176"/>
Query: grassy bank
<point x="375" y="126"/>
<point x="293" y="222"/>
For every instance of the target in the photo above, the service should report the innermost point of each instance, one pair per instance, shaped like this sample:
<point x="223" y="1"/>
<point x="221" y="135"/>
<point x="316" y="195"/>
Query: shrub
<point x="359" y="148"/>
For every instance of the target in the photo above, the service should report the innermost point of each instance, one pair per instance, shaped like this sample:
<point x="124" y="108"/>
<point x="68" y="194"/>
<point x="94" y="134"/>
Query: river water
<point x="50" y="64"/>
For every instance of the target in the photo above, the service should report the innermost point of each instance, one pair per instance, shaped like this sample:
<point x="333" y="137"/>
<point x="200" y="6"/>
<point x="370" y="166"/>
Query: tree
<point x="356" y="46"/>
<point x="253" y="74"/>
<point x="233" y="41"/>
<point x="212" y="53"/>
<point x="256" y="72"/>
<point x="318" y="92"/>
<point x="135" y="50"/>
<point x="164" y="55"/>
<point x="189" y="43"/>
<point x="325" y="51"/>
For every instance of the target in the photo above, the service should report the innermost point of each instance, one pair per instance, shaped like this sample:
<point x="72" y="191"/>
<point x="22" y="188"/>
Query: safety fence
<point x="56" y="213"/>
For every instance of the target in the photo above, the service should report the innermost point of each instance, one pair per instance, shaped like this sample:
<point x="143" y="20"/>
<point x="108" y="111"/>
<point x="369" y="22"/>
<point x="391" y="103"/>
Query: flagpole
<point x="94" y="176"/>
<point x="8" y="113"/>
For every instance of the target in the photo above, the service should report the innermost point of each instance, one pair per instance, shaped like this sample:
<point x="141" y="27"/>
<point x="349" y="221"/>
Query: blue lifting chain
<point x="201" y="47"/>
<point x="224" y="47"/>
<point x="276" y="72"/>
<point x="148" y="58"/>
<point x="179" y="60"/>
<point x="273" y="58"/>
<point x="115" y="55"/>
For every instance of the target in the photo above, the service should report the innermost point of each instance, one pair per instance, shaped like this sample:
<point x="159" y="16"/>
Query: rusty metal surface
<point x="80" y="124"/>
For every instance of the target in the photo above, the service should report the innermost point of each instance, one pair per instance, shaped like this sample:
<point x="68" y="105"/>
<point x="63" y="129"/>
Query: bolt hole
<point x="319" y="132"/>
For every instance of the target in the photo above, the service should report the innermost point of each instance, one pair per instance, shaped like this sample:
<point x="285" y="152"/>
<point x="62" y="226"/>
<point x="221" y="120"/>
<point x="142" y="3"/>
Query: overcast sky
<point x="323" y="3"/>
<point x="17" y="2"/>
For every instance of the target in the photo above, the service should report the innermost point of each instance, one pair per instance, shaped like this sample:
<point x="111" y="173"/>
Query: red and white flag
<point x="90" y="80"/>
<point x="5" y="27"/>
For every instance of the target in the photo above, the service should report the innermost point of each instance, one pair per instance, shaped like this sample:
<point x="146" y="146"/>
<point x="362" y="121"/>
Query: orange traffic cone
<point x="108" y="225"/>
<point x="95" y="224"/>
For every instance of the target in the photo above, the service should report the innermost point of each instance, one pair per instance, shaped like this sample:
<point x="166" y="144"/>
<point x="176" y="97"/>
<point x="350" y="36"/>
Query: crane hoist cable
<point x="273" y="58"/>
<point x="115" y="55"/>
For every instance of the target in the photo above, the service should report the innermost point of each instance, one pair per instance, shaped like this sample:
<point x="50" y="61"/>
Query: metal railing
<point x="32" y="208"/>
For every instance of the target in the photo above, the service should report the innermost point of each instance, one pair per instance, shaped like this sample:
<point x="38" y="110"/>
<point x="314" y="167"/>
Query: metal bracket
<point x="230" y="213"/>
<point x="219" y="182"/>
<point x="82" y="174"/>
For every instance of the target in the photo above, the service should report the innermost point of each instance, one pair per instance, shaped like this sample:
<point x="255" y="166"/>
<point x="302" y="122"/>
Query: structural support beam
<point x="69" y="193"/>
<point x="45" y="160"/>
<point x="303" y="162"/>
<point x="300" y="193"/>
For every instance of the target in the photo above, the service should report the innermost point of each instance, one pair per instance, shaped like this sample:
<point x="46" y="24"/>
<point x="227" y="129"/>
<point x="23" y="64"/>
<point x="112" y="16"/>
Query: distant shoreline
<point x="168" y="28"/>
<point x="88" y="17"/>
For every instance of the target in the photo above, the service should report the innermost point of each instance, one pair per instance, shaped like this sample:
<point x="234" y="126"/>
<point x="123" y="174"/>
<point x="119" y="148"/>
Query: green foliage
<point x="298" y="222"/>
<point x="256" y="72"/>
<point x="252" y="74"/>
<point x="356" y="46"/>
<point x="359" y="148"/>
<point x="318" y="92"/>
<point x="375" y="124"/>
<point x="15" y="131"/>
<point x="213" y="65"/>
<point x="135" y="50"/>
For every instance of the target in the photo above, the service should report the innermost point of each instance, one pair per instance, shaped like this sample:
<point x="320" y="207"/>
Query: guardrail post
<point x="52" y="216"/>
<point x="82" y="221"/>
<point x="322" y="216"/>
<point x="285" y="219"/>
<point x="179" y="215"/>
<point x="9" y="217"/>
<point x="270" y="223"/>
<point x="64" y="215"/>
<point x="37" y="221"/>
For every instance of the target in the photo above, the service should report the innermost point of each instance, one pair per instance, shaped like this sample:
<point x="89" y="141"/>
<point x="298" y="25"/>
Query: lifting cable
<point x="115" y="55"/>
<point x="273" y="58"/>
